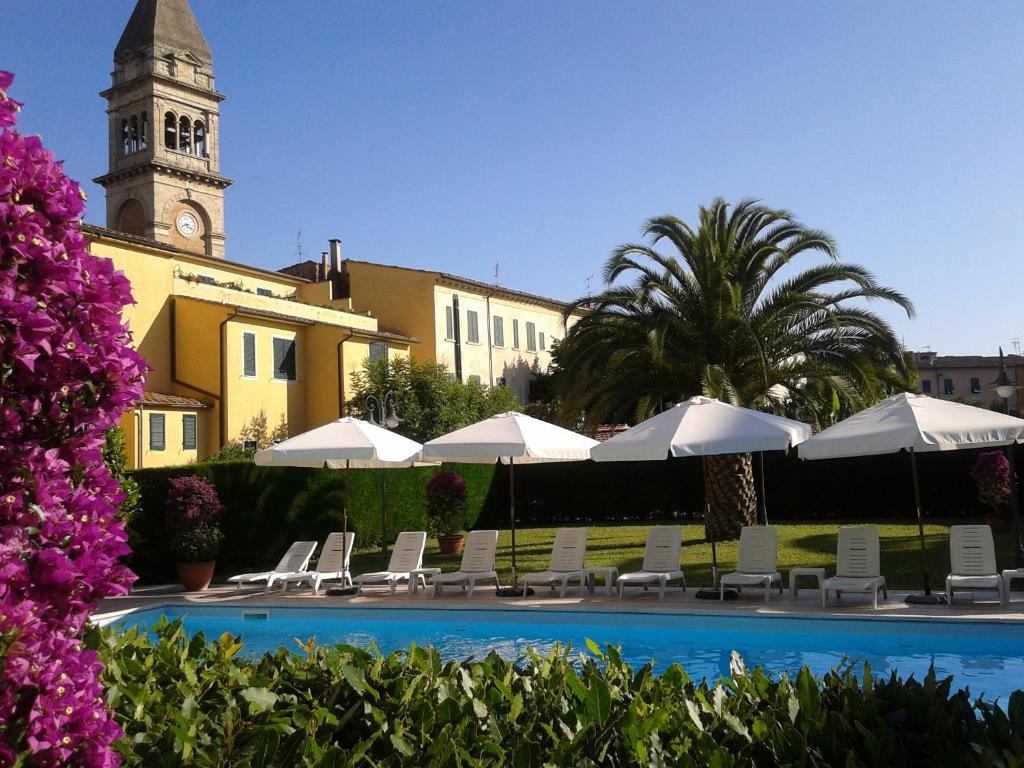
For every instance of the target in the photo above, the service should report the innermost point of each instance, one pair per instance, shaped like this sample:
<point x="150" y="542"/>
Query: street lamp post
<point x="1006" y="387"/>
<point x="383" y="413"/>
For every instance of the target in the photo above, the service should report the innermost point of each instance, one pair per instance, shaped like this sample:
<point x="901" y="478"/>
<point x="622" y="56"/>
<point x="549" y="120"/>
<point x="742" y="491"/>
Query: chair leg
<point x="472" y="586"/>
<point x="661" y="590"/>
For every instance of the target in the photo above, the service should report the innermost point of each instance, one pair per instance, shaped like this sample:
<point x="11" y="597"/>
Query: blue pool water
<point x="988" y="657"/>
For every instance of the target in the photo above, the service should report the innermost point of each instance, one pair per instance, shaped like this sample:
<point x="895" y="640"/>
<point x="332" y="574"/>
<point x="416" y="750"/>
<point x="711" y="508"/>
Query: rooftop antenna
<point x="298" y="245"/>
<point x="1016" y="344"/>
<point x="497" y="271"/>
<point x="589" y="278"/>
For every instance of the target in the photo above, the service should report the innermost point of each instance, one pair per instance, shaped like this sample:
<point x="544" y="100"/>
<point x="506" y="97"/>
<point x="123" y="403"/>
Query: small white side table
<point x="422" y="573"/>
<point x="1008" y="576"/>
<point x="610" y="574"/>
<point x="796" y="573"/>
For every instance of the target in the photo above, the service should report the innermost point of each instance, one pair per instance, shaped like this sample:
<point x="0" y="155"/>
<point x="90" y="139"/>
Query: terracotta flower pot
<point x="451" y="544"/>
<point x="196" y="577"/>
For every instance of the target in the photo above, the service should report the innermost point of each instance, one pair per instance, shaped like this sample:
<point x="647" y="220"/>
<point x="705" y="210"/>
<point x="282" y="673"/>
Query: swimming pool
<point x="987" y="656"/>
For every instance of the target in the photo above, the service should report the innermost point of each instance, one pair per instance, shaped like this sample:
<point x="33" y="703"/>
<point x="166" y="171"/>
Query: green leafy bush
<point x="186" y="701"/>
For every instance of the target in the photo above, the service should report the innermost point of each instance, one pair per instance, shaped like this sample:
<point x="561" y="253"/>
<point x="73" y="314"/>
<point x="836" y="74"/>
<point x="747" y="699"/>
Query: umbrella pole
<point x="764" y="498"/>
<point x="346" y="564"/>
<point x="927" y="597"/>
<point x="512" y="513"/>
<point x="383" y="519"/>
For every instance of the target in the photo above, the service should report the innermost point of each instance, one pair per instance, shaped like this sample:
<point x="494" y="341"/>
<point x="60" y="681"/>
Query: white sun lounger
<point x="757" y="561"/>
<point x="568" y="557"/>
<point x="972" y="557"/>
<point x="477" y="563"/>
<point x="294" y="561"/>
<point x="406" y="556"/>
<point x="661" y="561"/>
<point x="857" y="564"/>
<point x="332" y="565"/>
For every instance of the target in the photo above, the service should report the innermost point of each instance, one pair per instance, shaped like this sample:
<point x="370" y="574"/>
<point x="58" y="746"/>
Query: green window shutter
<point x="157" y="432"/>
<point x="249" y="354"/>
<point x="449" y="323"/>
<point x="542" y="342"/>
<point x="378" y="351"/>
<point x="515" y="334"/>
<point x="188" y="432"/>
<point x="474" y="379"/>
<point x="473" y="332"/>
<point x="284" y="359"/>
<point x="499" y="332"/>
<point x="531" y="337"/>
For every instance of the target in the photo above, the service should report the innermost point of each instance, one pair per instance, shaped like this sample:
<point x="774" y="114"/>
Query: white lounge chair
<point x="857" y="565"/>
<point x="332" y="565"/>
<point x="568" y="558"/>
<point x="757" y="561"/>
<point x="661" y="561"/>
<point x="477" y="563"/>
<point x="295" y="560"/>
<point x="972" y="557"/>
<point x="406" y="556"/>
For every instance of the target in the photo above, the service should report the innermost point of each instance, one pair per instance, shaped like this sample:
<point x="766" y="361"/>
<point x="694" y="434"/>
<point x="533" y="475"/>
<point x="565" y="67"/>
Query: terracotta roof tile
<point x="171" y="401"/>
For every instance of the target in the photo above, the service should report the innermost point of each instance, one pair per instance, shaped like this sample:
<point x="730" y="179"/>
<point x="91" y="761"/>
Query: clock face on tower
<point x="187" y="224"/>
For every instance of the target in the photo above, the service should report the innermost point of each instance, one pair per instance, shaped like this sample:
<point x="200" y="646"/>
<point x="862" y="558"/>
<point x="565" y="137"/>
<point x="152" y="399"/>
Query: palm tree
<point x="729" y="316"/>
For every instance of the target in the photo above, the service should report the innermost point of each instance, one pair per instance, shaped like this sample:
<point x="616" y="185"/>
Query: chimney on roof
<point x="335" y="273"/>
<point x="324" y="266"/>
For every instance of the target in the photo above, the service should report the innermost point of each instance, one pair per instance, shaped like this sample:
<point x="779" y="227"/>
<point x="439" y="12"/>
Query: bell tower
<point x="164" y="179"/>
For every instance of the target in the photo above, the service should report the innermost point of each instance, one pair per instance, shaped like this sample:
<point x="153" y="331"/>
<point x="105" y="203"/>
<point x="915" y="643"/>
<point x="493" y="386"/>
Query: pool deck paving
<point x="984" y="606"/>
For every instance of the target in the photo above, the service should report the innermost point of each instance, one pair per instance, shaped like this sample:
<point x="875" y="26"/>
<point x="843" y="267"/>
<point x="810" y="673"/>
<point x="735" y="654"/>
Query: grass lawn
<point x="800" y="544"/>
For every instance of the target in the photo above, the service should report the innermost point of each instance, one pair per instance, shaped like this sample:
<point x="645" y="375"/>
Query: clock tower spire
<point x="164" y="178"/>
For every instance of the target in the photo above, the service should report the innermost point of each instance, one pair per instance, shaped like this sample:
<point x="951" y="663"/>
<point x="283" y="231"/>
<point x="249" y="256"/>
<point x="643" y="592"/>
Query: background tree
<point x="430" y="401"/>
<point x="728" y="316"/>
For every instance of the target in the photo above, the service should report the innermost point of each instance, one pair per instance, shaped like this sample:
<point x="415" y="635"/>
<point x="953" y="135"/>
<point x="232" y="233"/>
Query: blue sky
<point x="454" y="135"/>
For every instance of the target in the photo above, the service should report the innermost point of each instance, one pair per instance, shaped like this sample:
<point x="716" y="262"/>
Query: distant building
<point x="479" y="331"/>
<point x="968" y="378"/>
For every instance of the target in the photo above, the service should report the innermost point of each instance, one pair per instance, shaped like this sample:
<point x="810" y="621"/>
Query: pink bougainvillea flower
<point x="67" y="373"/>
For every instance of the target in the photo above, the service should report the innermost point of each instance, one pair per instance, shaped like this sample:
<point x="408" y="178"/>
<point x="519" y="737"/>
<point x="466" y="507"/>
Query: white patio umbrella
<point x="511" y="438"/>
<point x="702" y="426"/>
<point x="343" y="444"/>
<point x="916" y="424"/>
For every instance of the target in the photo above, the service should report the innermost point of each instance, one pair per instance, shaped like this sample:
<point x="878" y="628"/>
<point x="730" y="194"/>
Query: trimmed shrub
<point x="267" y="508"/>
<point x="186" y="701"/>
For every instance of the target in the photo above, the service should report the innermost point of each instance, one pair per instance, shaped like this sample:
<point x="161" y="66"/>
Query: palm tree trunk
<point x="731" y="496"/>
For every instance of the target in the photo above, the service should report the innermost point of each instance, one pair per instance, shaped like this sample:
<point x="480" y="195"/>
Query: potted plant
<point x="446" y="510"/>
<point x="991" y="473"/>
<point x="193" y="528"/>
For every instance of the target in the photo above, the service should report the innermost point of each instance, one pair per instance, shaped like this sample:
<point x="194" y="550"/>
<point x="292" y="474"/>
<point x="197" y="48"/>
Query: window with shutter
<point x="542" y="347"/>
<point x="531" y="337"/>
<point x="499" y="332"/>
<point x="449" y="324"/>
<point x="249" y="355"/>
<point x="474" y="379"/>
<point x="188" y="432"/>
<point x="284" y="359"/>
<point x="515" y="334"/>
<point x="157" y="432"/>
<point x="378" y="351"/>
<point x="264" y="292"/>
<point x="473" y="329"/>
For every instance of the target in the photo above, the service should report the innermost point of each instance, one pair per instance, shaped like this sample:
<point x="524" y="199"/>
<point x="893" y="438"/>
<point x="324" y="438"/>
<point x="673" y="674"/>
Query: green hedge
<point x="266" y="508"/>
<point x="184" y="701"/>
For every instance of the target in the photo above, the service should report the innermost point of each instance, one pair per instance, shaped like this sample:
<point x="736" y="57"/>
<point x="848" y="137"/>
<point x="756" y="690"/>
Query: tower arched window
<point x="125" y="137"/>
<point x="199" y="137"/>
<point x="185" y="134"/>
<point x="144" y="131"/>
<point x="134" y="138"/>
<point x="170" y="131"/>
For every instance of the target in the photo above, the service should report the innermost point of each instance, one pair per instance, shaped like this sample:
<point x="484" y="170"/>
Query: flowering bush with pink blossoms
<point x="66" y="375"/>
<point x="991" y="473"/>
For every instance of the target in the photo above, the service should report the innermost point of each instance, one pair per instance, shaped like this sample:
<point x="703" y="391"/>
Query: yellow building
<point x="482" y="332"/>
<point x="227" y="342"/>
